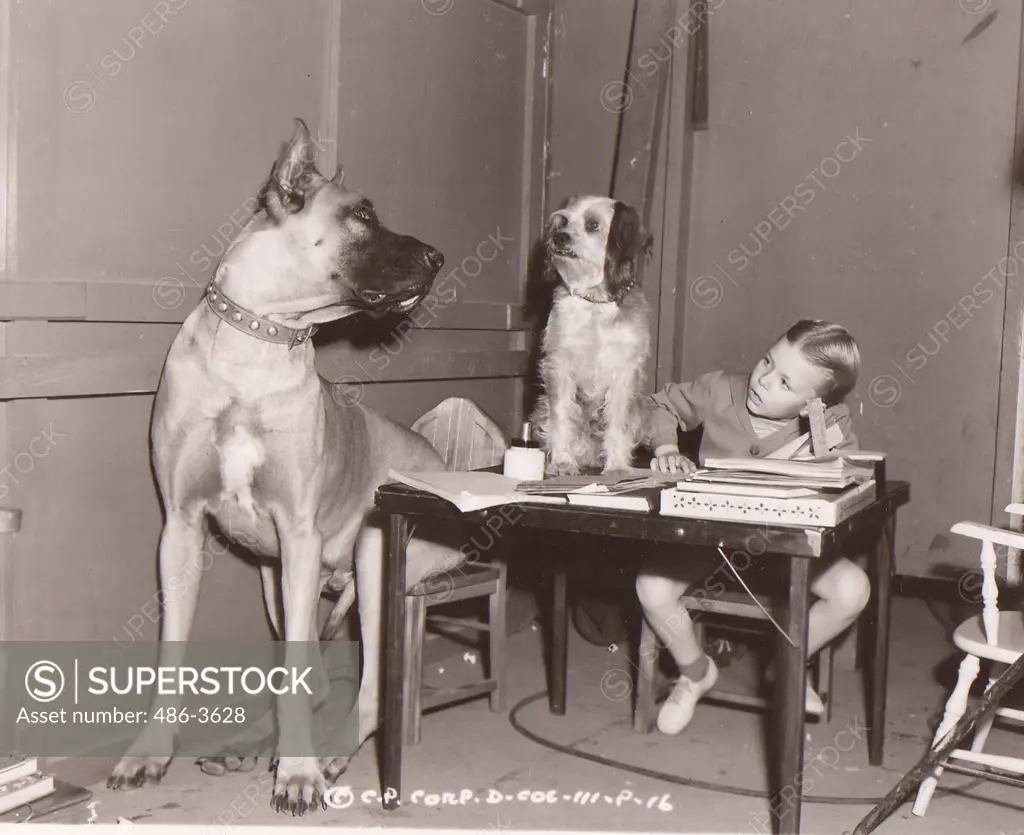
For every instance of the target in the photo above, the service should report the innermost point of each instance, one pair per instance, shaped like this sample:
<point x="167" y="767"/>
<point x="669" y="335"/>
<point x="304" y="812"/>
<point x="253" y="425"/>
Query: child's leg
<point x="843" y="590"/>
<point x="659" y="586"/>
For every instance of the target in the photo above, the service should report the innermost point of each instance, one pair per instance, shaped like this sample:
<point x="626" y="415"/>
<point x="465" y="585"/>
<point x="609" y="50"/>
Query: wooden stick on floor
<point x="937" y="755"/>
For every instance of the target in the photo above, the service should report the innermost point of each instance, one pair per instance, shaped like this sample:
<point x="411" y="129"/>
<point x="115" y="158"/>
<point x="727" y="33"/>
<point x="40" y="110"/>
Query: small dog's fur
<point x="597" y="337"/>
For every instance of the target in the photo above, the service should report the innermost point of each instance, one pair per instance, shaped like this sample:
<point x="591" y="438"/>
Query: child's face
<point x="782" y="382"/>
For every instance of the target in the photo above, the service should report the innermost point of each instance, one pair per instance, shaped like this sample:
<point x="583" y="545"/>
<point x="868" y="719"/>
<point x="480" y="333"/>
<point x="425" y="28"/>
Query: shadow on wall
<point x="539" y="293"/>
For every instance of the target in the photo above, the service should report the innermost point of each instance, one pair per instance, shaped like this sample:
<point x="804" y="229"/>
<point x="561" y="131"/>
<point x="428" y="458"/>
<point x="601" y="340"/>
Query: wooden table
<point x="797" y="545"/>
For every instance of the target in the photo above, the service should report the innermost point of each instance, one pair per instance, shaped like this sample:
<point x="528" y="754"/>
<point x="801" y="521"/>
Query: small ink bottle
<point x="524" y="460"/>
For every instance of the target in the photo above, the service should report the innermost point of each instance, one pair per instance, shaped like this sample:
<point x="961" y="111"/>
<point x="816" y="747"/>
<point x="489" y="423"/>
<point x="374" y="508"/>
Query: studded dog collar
<point x="248" y="322"/>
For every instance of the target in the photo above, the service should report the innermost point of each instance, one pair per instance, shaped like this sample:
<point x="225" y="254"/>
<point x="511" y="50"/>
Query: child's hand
<point x="670" y="460"/>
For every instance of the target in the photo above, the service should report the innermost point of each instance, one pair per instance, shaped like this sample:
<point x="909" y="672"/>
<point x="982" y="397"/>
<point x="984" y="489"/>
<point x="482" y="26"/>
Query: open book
<point x="477" y="490"/>
<point x="471" y="490"/>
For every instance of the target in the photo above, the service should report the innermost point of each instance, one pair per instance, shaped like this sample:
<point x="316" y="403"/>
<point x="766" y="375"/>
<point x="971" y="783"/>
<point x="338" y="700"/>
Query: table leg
<point x="559" y="640"/>
<point x="790" y="698"/>
<point x="881" y="583"/>
<point x="394" y="651"/>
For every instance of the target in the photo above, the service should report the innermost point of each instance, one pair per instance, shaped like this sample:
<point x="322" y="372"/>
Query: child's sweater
<point x="717" y="401"/>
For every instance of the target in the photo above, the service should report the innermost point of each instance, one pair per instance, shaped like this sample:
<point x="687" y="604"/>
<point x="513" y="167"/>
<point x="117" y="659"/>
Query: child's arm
<point x="676" y="405"/>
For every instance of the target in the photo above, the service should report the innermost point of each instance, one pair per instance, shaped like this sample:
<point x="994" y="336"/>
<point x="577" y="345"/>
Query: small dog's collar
<point x="615" y="299"/>
<point x="248" y="322"/>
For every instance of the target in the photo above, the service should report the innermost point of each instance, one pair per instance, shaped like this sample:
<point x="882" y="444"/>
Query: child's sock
<point x="696" y="670"/>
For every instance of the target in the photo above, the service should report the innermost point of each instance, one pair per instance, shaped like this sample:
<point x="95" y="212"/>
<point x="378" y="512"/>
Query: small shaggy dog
<point x="597" y="338"/>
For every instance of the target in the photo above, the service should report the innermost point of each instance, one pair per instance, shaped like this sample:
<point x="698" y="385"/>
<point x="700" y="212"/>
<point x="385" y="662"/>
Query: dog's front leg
<point x="299" y="786"/>
<point x="621" y="423"/>
<point x="565" y="417"/>
<point x="181" y="570"/>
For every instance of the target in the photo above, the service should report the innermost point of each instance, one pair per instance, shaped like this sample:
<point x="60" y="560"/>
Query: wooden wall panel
<point x="142" y="137"/>
<point x="866" y="178"/>
<point x="136" y="144"/>
<point x="442" y="149"/>
<point x="65" y="359"/>
<point x="84" y="562"/>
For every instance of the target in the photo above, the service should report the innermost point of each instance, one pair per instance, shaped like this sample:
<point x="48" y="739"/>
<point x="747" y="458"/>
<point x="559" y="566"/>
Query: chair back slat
<point x="989" y="593"/>
<point x="989" y="537"/>
<point x="463" y="435"/>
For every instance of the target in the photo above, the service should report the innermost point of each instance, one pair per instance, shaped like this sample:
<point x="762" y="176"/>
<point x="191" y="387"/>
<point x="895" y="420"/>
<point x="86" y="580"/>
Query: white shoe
<point x="677" y="711"/>
<point x="812" y="701"/>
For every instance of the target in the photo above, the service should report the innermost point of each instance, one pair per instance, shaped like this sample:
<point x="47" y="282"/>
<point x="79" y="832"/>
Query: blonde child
<point x="749" y="416"/>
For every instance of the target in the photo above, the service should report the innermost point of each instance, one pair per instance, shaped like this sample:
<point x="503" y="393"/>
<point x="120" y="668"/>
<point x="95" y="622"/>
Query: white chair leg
<point x="984" y="725"/>
<point x="955" y="707"/>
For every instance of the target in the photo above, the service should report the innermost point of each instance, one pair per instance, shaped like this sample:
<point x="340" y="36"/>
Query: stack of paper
<point x="826" y="473"/>
<point x="611" y="484"/>
<point x="22" y="783"/>
<point x="639" y="491"/>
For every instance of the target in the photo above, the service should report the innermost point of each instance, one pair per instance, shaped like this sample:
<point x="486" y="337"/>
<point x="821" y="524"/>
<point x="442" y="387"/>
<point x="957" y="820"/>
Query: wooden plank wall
<point x="132" y="146"/>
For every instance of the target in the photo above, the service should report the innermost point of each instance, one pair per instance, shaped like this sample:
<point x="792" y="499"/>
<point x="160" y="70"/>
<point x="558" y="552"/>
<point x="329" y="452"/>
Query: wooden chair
<point x="467" y="439"/>
<point x="997" y="636"/>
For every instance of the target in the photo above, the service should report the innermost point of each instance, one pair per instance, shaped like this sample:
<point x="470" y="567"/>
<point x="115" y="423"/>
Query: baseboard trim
<point x="934" y="588"/>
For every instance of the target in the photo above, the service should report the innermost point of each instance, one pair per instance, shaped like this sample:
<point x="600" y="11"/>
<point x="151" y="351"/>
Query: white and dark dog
<point x="597" y="337"/>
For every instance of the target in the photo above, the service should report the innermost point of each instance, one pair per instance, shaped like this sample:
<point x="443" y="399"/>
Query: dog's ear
<point x="629" y="244"/>
<point x="294" y="175"/>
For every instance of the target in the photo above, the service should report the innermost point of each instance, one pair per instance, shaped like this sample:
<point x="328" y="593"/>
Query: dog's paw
<point x="299" y="787"/>
<point x="623" y="470"/>
<point x="219" y="766"/>
<point x="563" y="464"/>
<point x="133" y="772"/>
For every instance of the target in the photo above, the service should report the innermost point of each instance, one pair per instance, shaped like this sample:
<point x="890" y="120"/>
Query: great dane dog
<point x="246" y="433"/>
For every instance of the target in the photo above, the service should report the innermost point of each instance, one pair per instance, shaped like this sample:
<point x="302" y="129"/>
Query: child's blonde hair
<point x="831" y="348"/>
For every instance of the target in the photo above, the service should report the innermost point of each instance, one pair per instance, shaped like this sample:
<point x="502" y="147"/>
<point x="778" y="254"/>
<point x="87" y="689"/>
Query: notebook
<point x="646" y="500"/>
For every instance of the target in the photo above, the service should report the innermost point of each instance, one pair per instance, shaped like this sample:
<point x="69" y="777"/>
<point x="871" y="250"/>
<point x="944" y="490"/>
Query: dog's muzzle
<point x="377" y="303"/>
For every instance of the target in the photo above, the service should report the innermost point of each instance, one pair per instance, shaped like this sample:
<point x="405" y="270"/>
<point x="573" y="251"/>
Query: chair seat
<point x="467" y="574"/>
<point x="970" y="637"/>
<point x="730" y="602"/>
